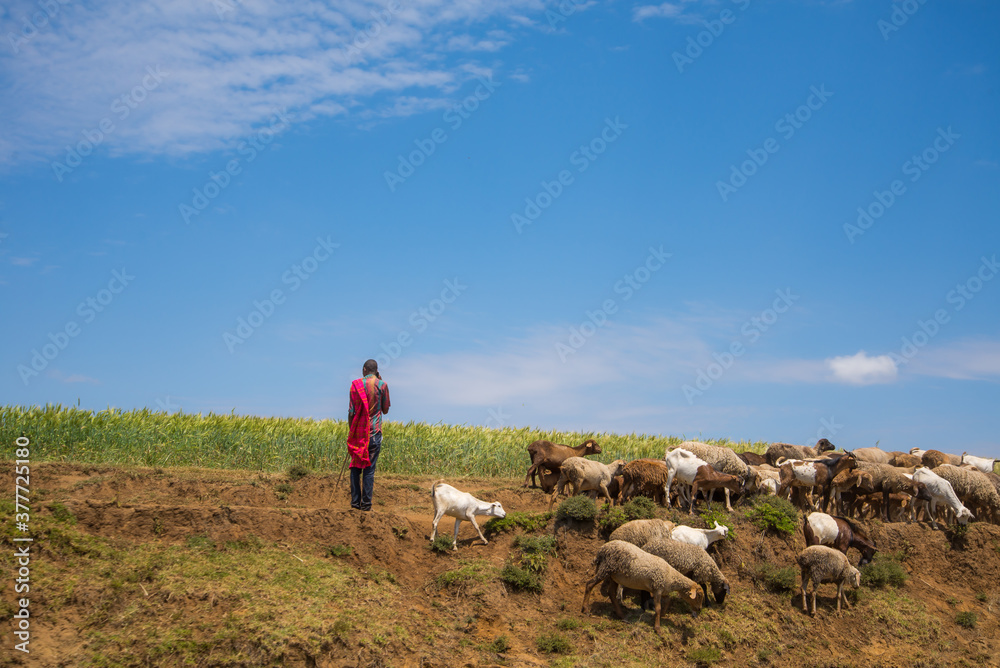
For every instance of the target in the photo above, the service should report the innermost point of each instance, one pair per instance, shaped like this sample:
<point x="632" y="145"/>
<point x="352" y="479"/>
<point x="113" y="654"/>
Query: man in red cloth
<point x="369" y="400"/>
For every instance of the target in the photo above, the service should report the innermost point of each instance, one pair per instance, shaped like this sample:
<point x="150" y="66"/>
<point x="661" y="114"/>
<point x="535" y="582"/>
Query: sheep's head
<point x="496" y="510"/>
<point x="591" y="447"/>
<point x="822" y="445"/>
<point x="720" y="591"/>
<point x="722" y="529"/>
<point x="855" y="577"/>
<point x="964" y="515"/>
<point x="695" y="598"/>
<point x="616" y="467"/>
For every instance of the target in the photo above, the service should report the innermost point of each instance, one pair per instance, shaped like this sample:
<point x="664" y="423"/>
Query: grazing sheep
<point x="631" y="567"/>
<point x="974" y="489"/>
<point x="887" y="480"/>
<point x="984" y="464"/>
<point x="462" y="506"/>
<point x="941" y="491"/>
<point x="934" y="458"/>
<point x="700" y="537"/>
<point x="646" y="477"/>
<point x="874" y="455"/>
<point x="838" y="533"/>
<point x="707" y="480"/>
<point x="549" y="455"/>
<point x="820" y="564"/>
<point x="723" y="460"/>
<point x="848" y="484"/>
<point x="905" y="461"/>
<point x="789" y="451"/>
<point x="585" y="475"/>
<point x="640" y="532"/>
<point x="692" y="562"/>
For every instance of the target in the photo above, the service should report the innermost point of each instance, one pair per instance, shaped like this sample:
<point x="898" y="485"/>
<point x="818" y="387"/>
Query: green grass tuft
<point x="529" y="522"/>
<point x="553" y="643"/>
<point x="297" y="472"/>
<point x="704" y="656"/>
<point x="778" y="580"/>
<point x="579" y="508"/>
<point x="967" y="620"/>
<point x="521" y="578"/>
<point x="770" y="513"/>
<point x="441" y="544"/>
<point x="883" y="572"/>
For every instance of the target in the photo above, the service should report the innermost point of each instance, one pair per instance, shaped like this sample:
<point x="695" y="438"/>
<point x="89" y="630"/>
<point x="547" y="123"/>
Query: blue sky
<point x="767" y="220"/>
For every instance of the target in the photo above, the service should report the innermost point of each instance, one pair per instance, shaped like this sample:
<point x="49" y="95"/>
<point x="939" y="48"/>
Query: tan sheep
<point x="631" y="567"/>
<point x="693" y="562"/>
<point x="820" y="564"/>
<point x="974" y="488"/>
<point x="585" y="475"/>
<point x="640" y="532"/>
<point x="724" y="460"/>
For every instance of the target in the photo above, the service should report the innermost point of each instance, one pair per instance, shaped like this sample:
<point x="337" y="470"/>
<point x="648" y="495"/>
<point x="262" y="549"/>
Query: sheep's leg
<point x="815" y="587"/>
<point x="666" y="487"/>
<point x="606" y="493"/>
<point x="587" y="590"/>
<point x="728" y="507"/>
<point x="694" y="494"/>
<point x="472" y="518"/>
<point x="805" y="581"/>
<point x="557" y="491"/>
<point x="842" y="595"/>
<point x="658" y="606"/>
<point x="454" y="540"/>
<point x="616" y="601"/>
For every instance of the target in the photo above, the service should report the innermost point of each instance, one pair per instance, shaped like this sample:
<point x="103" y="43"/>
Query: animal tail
<point x="435" y="486"/>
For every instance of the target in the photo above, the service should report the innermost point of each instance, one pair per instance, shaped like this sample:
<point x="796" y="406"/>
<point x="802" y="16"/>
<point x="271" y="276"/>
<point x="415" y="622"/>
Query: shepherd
<point x="369" y="401"/>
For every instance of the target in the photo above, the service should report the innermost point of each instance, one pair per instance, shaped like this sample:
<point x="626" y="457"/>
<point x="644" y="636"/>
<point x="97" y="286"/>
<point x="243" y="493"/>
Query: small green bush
<point x="778" y="580"/>
<point x="536" y="544"/>
<point x="771" y="513"/>
<point x="297" y="472"/>
<point x="567" y="624"/>
<point x="704" y="656"/>
<point x="520" y="578"/>
<point x="282" y="490"/>
<point x="466" y="575"/>
<point x="981" y="596"/>
<point x="580" y="508"/>
<point x="441" y="544"/>
<point x="967" y="620"/>
<point x="883" y="572"/>
<point x="553" y="643"/>
<point x="530" y="522"/>
<point x="339" y="550"/>
<point x="499" y="645"/>
<point x="612" y="517"/>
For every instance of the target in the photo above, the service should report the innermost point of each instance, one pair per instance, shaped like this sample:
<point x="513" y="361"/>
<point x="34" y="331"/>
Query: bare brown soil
<point x="913" y="626"/>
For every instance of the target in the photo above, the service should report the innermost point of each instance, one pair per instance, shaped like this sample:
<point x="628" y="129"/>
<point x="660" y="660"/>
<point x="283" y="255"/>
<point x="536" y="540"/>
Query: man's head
<point x="370" y="367"/>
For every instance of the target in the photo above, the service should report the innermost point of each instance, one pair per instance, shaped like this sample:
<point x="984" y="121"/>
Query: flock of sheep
<point x="658" y="557"/>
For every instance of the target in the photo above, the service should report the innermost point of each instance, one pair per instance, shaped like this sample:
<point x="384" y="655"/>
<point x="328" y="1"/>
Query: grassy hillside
<point x="147" y="438"/>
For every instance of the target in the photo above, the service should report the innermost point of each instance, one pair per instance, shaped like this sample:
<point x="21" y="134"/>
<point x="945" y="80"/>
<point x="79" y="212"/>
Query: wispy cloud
<point x="72" y="378"/>
<point x="226" y="72"/>
<point x="972" y="359"/>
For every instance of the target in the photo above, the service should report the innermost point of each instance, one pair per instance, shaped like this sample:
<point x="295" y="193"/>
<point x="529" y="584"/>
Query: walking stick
<point x="342" y="467"/>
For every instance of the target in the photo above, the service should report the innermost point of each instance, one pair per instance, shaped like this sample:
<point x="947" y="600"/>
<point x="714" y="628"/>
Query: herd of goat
<point x="658" y="557"/>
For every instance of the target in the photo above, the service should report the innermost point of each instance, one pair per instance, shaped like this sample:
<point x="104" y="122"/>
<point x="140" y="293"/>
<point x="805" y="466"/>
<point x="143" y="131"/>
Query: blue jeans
<point x="363" y="480"/>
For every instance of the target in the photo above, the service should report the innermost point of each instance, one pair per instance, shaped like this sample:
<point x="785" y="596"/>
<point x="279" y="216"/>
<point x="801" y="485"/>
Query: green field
<point x="157" y="439"/>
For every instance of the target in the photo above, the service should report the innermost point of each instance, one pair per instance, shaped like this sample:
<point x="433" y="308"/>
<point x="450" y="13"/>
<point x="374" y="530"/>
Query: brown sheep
<point x="549" y="455"/>
<point x="934" y="458"/>
<point x="645" y="477"/>
<point x="789" y="451"/>
<point x="903" y="460"/>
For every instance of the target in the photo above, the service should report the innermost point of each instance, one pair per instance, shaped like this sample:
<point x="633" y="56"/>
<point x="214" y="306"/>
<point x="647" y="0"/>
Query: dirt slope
<point x="396" y="610"/>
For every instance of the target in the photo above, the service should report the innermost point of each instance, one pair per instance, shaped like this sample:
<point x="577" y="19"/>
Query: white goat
<point x="683" y="465"/>
<point x="700" y="537"/>
<point x="941" y="491"/>
<point x="984" y="464"/>
<point x="462" y="506"/>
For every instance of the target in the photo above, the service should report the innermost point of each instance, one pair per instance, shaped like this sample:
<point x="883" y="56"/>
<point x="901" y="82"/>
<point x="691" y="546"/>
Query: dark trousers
<point x="363" y="480"/>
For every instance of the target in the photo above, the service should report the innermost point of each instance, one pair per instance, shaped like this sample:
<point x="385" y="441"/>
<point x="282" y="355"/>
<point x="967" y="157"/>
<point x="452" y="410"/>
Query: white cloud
<point x="863" y="369"/>
<point x="224" y="73"/>
<point x="962" y="360"/>
<point x="665" y="10"/>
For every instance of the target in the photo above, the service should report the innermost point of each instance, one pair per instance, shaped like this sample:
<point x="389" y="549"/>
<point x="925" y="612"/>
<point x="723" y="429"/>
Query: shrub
<point x="610" y="518"/>
<point x="282" y="490"/>
<point x="568" y="624"/>
<point x="981" y="596"/>
<point x="530" y="522"/>
<point x="466" y="575"/>
<point x="882" y="572"/>
<point x="520" y="578"/>
<point x="441" y="544"/>
<point x="580" y="508"/>
<point x="297" y="472"/>
<point x="776" y="579"/>
<point x="704" y="656"/>
<point x="499" y="645"/>
<point x="339" y="550"/>
<point x="553" y="643"/>
<point x="536" y="544"/>
<point x="775" y="514"/>
<point x="967" y="620"/>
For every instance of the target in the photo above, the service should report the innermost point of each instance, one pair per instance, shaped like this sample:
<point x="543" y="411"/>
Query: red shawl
<point x="359" y="430"/>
